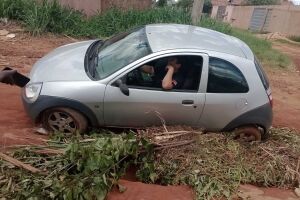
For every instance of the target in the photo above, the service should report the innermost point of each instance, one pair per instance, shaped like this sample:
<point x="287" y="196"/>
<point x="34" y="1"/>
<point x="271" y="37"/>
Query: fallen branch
<point x="18" y="163"/>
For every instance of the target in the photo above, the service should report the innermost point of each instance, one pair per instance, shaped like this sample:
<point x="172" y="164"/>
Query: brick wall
<point x="126" y="4"/>
<point x="92" y="7"/>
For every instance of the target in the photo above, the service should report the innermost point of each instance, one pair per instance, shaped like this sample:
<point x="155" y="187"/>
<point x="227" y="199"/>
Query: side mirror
<point x="123" y="87"/>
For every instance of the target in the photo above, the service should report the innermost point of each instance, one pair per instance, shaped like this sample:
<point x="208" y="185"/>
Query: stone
<point x="11" y="35"/>
<point x="3" y="32"/>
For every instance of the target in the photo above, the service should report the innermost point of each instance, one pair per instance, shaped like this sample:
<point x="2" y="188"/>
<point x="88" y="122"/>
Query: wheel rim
<point x="62" y="122"/>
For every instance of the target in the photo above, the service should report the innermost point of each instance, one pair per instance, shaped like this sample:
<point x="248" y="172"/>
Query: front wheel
<point x="64" y="120"/>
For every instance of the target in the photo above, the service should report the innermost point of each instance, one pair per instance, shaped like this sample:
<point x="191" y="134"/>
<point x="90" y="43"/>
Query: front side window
<point x="224" y="77"/>
<point x="151" y="75"/>
<point x="120" y="51"/>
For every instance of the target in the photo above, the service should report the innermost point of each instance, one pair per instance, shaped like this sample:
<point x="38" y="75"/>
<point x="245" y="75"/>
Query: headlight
<point x="32" y="91"/>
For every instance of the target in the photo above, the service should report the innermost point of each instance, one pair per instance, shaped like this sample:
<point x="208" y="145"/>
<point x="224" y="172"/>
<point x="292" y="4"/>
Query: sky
<point x="296" y="2"/>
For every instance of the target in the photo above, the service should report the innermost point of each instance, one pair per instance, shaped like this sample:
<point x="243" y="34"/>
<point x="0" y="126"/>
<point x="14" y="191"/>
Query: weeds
<point x="216" y="165"/>
<point x="295" y="38"/>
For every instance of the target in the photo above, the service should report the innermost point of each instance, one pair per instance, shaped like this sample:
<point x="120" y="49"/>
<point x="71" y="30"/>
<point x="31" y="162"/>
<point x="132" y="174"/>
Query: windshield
<point x="119" y="51"/>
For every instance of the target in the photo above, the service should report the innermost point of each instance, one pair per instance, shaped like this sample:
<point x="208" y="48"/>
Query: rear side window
<point x="262" y="74"/>
<point x="224" y="77"/>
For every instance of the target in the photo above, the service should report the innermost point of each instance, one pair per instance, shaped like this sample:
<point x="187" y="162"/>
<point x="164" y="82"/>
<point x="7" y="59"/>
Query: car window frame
<point x="234" y="66"/>
<point x="168" y="53"/>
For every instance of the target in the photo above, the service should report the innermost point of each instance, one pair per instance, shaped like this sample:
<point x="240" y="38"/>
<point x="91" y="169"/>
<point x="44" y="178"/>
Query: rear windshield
<point x="262" y="74"/>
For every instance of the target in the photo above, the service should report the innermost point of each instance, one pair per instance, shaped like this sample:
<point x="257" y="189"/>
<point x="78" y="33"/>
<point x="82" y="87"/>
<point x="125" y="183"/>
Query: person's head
<point x="174" y="62"/>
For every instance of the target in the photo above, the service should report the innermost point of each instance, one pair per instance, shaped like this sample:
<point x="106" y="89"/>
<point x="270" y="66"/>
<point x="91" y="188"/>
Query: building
<point x="283" y="18"/>
<point x="92" y="7"/>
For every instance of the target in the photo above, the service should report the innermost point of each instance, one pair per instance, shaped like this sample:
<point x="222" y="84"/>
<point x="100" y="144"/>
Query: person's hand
<point x="148" y="69"/>
<point x="6" y="76"/>
<point x="170" y="67"/>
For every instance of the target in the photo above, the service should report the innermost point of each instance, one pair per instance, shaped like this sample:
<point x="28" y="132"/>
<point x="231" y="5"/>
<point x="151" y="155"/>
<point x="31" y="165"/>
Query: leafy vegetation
<point x="89" y="166"/>
<point x="86" y="169"/>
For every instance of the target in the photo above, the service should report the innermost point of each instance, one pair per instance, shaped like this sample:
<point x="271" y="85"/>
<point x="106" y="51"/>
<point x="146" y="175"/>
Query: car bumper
<point x="45" y="102"/>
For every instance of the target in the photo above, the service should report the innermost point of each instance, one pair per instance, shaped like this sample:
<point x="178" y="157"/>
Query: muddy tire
<point x="64" y="120"/>
<point x="248" y="134"/>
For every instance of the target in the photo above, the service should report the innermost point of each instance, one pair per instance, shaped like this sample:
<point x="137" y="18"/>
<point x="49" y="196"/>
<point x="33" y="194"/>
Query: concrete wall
<point x="284" y="19"/>
<point x="126" y="4"/>
<point x="89" y="7"/>
<point x="92" y="7"/>
<point x="240" y="16"/>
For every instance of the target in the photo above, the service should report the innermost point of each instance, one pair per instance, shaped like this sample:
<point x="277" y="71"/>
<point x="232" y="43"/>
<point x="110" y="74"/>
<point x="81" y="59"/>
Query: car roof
<point x="178" y="36"/>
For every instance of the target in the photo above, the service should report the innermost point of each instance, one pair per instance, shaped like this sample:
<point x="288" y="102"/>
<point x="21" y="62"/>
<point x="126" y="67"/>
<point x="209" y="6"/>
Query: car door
<point x="145" y="106"/>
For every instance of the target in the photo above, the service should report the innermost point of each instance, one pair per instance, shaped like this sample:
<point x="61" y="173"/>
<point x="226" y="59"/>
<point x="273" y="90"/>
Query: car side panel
<point x="222" y="108"/>
<point x="88" y="93"/>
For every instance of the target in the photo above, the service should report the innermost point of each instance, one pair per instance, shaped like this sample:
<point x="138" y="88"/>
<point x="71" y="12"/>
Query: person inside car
<point x="168" y="77"/>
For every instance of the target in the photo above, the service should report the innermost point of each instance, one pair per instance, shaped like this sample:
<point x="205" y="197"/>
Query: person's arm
<point x="147" y="69"/>
<point x="167" y="82"/>
<point x="6" y="76"/>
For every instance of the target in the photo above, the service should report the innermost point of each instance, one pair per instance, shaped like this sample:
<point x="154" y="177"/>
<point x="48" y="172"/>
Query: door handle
<point x="187" y="102"/>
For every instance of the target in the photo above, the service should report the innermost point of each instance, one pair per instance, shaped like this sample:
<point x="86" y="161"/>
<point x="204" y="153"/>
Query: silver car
<point x="220" y="85"/>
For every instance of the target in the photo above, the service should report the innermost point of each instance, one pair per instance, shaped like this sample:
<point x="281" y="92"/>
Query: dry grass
<point x="215" y="165"/>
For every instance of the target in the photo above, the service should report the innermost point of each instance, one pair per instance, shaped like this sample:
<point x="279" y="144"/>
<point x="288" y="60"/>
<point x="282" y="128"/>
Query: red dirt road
<point x="286" y="89"/>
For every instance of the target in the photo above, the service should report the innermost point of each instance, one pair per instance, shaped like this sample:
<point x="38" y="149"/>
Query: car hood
<point x="65" y="63"/>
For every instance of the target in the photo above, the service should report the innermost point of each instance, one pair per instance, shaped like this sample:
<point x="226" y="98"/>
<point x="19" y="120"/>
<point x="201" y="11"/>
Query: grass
<point x="216" y="165"/>
<point x="295" y="38"/>
<point x="262" y="48"/>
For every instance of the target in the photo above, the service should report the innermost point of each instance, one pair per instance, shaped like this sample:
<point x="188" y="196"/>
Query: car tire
<point x="64" y="120"/>
<point x="248" y="134"/>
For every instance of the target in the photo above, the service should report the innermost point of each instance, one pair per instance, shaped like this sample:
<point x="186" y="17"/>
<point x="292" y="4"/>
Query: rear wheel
<point x="64" y="120"/>
<point x="248" y="134"/>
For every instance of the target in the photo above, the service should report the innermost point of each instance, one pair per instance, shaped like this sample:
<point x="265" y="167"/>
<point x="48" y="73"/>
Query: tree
<point x="197" y="10"/>
<point x="187" y="4"/>
<point x="161" y="3"/>
<point x="262" y="2"/>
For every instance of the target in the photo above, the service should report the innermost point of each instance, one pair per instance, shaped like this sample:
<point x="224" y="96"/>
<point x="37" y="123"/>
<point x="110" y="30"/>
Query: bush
<point x="210" y="23"/>
<point x="14" y="9"/>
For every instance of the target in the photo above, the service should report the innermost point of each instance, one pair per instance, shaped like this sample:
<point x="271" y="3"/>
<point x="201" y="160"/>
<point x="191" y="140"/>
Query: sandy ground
<point x="16" y="128"/>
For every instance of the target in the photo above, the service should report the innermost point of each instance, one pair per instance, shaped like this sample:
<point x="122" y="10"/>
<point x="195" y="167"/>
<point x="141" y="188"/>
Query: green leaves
<point x="87" y="170"/>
